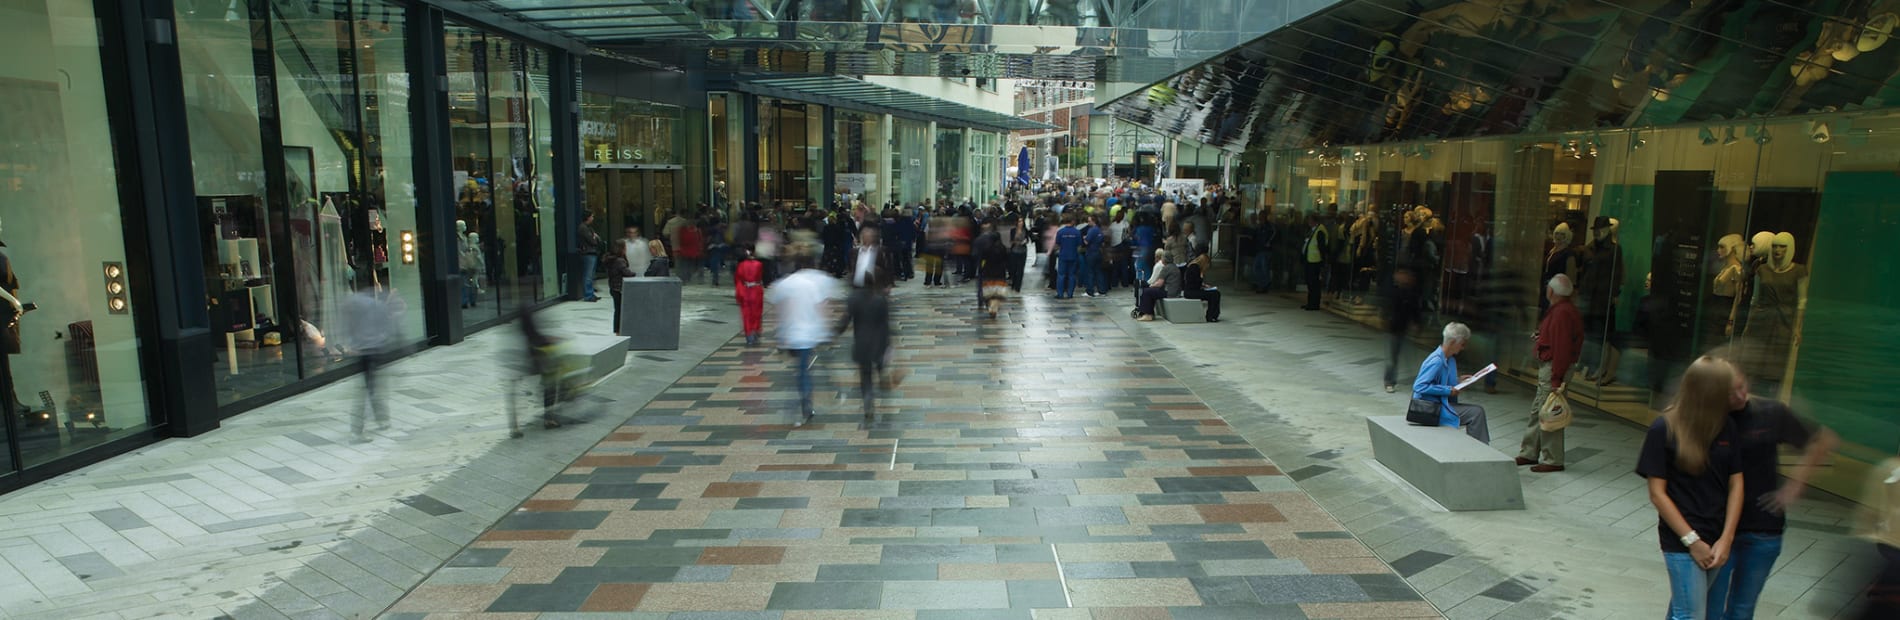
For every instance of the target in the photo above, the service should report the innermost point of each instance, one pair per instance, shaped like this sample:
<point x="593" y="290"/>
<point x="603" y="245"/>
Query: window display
<point x="299" y="186"/>
<point x="501" y="144"/>
<point x="70" y="377"/>
<point x="1678" y="244"/>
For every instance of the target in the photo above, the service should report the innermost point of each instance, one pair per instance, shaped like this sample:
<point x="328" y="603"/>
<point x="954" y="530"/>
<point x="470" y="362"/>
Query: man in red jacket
<point x="1559" y="341"/>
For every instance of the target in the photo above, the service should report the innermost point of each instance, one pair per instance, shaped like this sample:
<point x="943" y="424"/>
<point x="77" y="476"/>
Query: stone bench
<point x="650" y="313"/>
<point x="597" y="356"/>
<point x="1459" y="472"/>
<point x="1182" y="310"/>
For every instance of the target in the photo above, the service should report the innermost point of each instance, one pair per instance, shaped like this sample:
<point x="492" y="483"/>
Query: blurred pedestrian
<point x="1401" y="313"/>
<point x="800" y="300"/>
<point x="869" y="312"/>
<point x="373" y="317"/>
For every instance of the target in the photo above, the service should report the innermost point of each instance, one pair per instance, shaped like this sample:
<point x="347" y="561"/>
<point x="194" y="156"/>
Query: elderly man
<point x="1438" y="381"/>
<point x="1559" y="342"/>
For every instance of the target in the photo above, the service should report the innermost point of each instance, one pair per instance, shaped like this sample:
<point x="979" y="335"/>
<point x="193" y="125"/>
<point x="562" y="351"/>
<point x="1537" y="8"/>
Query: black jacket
<point x="868" y="313"/>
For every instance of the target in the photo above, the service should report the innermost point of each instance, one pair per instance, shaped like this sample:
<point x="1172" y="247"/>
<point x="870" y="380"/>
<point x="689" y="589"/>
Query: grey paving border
<point x="369" y="569"/>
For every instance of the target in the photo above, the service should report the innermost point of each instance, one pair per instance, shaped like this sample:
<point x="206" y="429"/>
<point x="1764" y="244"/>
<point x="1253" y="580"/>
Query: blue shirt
<point x="1068" y="243"/>
<point x="1145" y="237"/>
<point x="1094" y="240"/>
<point x="1436" y="377"/>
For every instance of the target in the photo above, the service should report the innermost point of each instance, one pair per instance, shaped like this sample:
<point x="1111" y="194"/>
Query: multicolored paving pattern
<point x="1042" y="465"/>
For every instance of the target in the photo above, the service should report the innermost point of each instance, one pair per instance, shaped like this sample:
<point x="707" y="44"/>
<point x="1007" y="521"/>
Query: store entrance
<point x="622" y="195"/>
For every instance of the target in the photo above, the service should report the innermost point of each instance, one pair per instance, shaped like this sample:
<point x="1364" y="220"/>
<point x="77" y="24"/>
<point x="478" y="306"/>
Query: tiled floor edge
<point x="697" y="344"/>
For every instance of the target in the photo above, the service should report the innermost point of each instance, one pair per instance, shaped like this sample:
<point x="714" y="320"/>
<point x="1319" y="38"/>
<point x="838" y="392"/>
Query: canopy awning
<point x="849" y="92"/>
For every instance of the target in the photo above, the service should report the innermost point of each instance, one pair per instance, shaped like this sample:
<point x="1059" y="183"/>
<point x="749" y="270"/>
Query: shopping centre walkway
<point x="1041" y="462"/>
<point x="1064" y="460"/>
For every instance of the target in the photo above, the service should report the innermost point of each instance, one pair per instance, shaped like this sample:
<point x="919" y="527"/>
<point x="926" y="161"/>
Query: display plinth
<point x="650" y="313"/>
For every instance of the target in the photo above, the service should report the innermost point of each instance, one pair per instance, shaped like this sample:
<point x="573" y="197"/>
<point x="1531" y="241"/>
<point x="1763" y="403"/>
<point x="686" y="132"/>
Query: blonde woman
<point x="1692" y="459"/>
<point x="661" y="266"/>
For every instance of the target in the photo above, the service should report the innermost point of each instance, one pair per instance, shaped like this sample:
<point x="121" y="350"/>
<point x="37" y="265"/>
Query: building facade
<point x="191" y="189"/>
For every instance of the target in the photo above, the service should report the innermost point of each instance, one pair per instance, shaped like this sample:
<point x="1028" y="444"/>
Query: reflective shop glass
<point x="1760" y="241"/>
<point x="791" y="146"/>
<point x="502" y="152"/>
<point x="70" y="377"/>
<point x="858" y="140"/>
<point x="305" y="190"/>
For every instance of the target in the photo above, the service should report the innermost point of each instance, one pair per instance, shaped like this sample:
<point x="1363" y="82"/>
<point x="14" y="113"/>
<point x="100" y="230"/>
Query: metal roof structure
<point x="851" y="92"/>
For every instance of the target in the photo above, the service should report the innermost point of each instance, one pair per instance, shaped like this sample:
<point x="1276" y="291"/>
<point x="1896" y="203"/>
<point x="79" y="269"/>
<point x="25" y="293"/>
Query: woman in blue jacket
<point x="1438" y="381"/>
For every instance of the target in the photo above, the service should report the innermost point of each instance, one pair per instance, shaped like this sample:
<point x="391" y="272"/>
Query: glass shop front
<point x="1755" y="240"/>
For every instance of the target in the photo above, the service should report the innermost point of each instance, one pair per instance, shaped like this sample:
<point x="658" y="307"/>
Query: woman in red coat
<point x="748" y="286"/>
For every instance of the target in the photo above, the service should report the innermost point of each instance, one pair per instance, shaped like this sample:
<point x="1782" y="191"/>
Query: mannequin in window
<point x="1725" y="287"/>
<point x="473" y="266"/>
<point x="1563" y="258"/>
<point x="1780" y="297"/>
<point x="1758" y="248"/>
<point x="12" y="309"/>
<point x="1602" y="283"/>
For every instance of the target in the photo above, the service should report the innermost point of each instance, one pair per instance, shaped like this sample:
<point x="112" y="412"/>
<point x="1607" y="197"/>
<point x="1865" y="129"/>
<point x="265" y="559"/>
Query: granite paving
<point x="1043" y="464"/>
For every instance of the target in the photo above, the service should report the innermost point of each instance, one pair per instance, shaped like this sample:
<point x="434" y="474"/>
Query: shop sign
<point x="608" y="153"/>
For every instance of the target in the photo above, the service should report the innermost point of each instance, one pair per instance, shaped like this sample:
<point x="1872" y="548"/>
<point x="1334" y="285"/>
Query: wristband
<point x="1691" y="539"/>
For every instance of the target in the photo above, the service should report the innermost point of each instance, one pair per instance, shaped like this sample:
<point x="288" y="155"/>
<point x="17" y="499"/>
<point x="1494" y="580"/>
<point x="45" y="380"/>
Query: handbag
<point x="1554" y="414"/>
<point x="1421" y="412"/>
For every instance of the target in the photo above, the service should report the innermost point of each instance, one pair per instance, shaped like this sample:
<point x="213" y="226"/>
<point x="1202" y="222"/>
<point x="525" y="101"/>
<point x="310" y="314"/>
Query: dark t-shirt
<point x="1701" y="498"/>
<point x="1762" y="426"/>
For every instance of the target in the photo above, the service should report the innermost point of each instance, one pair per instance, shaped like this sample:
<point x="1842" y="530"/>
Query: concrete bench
<point x="597" y="356"/>
<point x="1183" y="310"/>
<point x="650" y="313"/>
<point x="1449" y="466"/>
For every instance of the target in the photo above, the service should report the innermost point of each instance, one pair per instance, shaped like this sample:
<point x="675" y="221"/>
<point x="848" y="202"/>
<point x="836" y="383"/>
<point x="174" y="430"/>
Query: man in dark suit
<point x="868" y="315"/>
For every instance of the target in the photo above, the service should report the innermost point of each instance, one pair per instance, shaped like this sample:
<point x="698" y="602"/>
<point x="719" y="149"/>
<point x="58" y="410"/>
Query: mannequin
<point x="14" y="309"/>
<point x="1719" y="313"/>
<point x="1602" y="283"/>
<point x="1758" y="249"/>
<point x="1364" y="236"/>
<point x="1563" y="258"/>
<point x="1780" y="298"/>
<point x="473" y="265"/>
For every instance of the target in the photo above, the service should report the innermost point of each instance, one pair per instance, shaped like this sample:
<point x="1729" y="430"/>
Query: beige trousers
<point x="1545" y="447"/>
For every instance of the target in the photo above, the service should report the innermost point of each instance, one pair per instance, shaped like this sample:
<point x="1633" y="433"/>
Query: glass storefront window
<point x="791" y="143"/>
<point x="1748" y="239"/>
<point x="910" y="141"/>
<point x="502" y="155"/>
<point x="727" y="128"/>
<point x="857" y="141"/>
<point x="70" y="372"/>
<point x="302" y="203"/>
<point x="950" y="166"/>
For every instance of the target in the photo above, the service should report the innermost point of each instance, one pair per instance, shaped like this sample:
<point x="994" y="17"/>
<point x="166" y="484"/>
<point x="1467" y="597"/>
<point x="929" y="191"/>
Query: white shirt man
<point x="638" y="256"/>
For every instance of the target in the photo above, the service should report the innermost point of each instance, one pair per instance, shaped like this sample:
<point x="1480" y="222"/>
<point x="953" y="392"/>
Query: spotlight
<point x="1819" y="133"/>
<point x="1707" y="135"/>
<point x="1761" y="136"/>
<point x="1730" y="139"/>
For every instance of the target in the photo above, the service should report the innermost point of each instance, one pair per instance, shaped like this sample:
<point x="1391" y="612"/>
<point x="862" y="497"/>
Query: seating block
<point x="1183" y="310"/>
<point x="598" y="356"/>
<point x="1459" y="472"/>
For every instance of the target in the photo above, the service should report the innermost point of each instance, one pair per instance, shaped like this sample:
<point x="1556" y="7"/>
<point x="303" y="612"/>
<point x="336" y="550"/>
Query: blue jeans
<point x="716" y="262"/>
<point x="588" y="262"/>
<point x="803" y="357"/>
<point x="1693" y="591"/>
<point x="1263" y="279"/>
<point x="1092" y="273"/>
<point x="1065" y="277"/>
<point x="1752" y="557"/>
